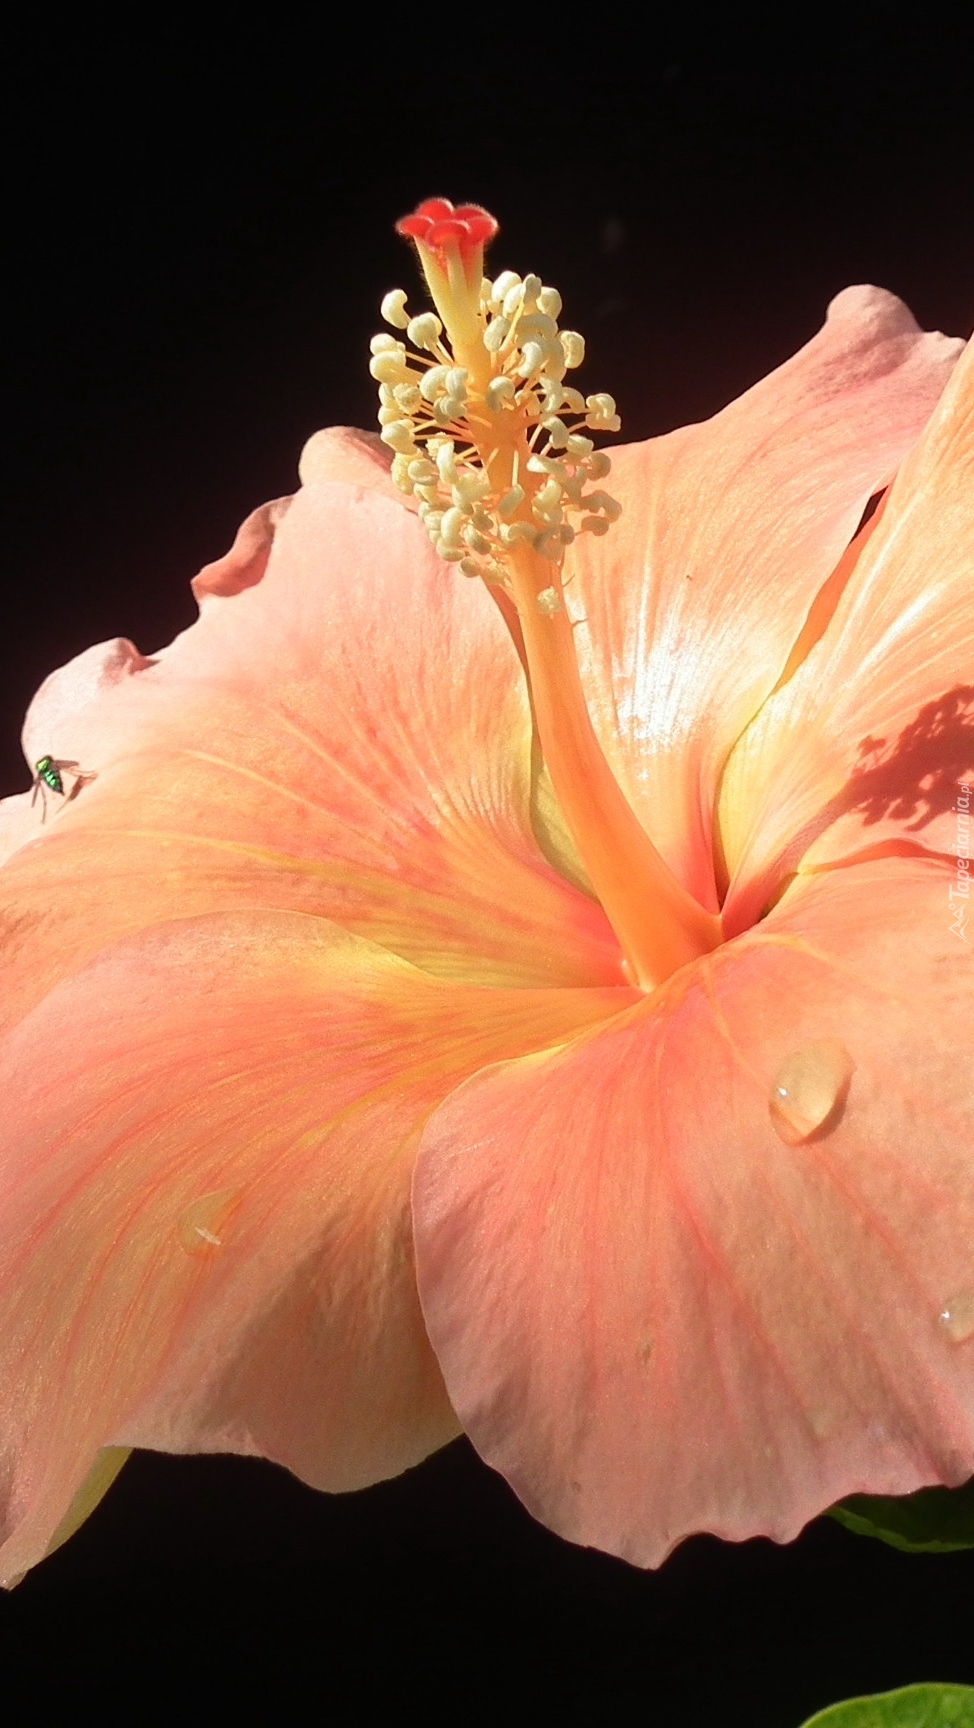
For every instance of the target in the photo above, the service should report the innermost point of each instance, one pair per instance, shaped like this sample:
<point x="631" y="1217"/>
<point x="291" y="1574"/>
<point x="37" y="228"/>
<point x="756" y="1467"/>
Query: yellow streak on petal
<point x="108" y="1464"/>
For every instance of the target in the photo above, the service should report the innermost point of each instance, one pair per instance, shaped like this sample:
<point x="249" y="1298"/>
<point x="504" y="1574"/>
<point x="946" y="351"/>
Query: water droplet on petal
<point x="957" y="1317"/>
<point x="201" y="1227"/>
<point x="809" y="1088"/>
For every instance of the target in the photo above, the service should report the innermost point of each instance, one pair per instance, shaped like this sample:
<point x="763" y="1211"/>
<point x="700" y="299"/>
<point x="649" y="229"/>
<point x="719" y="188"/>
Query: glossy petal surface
<point x="205" y="1196"/>
<point x="868" y="742"/>
<point x="350" y="736"/>
<point x="657" y="1317"/>
<point x="729" y="529"/>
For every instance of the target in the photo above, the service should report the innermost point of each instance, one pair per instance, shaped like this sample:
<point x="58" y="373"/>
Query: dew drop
<point x="201" y="1227"/>
<point x="957" y="1317"/>
<point x="810" y="1088"/>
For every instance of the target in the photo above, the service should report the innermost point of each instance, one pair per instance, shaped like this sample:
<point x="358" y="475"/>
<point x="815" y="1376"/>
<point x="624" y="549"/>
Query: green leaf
<point x="914" y="1707"/>
<point x="933" y="1521"/>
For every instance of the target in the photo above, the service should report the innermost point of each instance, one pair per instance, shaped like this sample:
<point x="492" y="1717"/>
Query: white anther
<point x="549" y="465"/>
<point x="593" y="525"/>
<point x="602" y="411"/>
<point x="536" y="324"/>
<point x="456" y="382"/>
<point x="387" y="396"/>
<point x="549" y="302"/>
<point x="511" y="501"/>
<point x="422" y="472"/>
<point x="452" y="554"/>
<point x="389" y="367"/>
<point x="573" y="347"/>
<point x="385" y="344"/>
<point x="433" y="521"/>
<point x="393" y="308"/>
<point x="389" y="416"/>
<point x="532" y="288"/>
<point x="598" y="465"/>
<point x="549" y="545"/>
<point x="518" y="534"/>
<point x="494" y="573"/>
<point x="469" y="567"/>
<point x="573" y="400"/>
<point x="557" y="431"/>
<point x="470" y="487"/>
<point x="424" y="331"/>
<point x="603" y="422"/>
<point x="549" y="498"/>
<point x="601" y="501"/>
<point x="548" y="601"/>
<point x="408" y="397"/>
<point x="512" y="299"/>
<point x="578" y="447"/>
<point x="503" y="284"/>
<point x="451" y="526"/>
<point x="496" y="334"/>
<point x="399" y="437"/>
<point x="498" y="391"/>
<point x="553" y="397"/>
<point x="533" y="358"/>
<point x="476" y="541"/>
<point x="431" y="385"/>
<point x="441" y="450"/>
<point x="400" y="473"/>
<point x="483" y="520"/>
<point x="430" y="495"/>
<point x="446" y="409"/>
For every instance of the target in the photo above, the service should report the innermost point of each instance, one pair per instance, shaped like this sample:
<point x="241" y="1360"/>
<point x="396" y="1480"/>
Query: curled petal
<point x="729" y="529"/>
<point x="355" y="458"/>
<point x="247" y="558"/>
<point x="869" y="743"/>
<point x="658" y="1314"/>
<point x="209" y="1137"/>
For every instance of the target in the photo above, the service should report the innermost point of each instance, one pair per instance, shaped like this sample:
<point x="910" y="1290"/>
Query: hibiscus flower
<point x="495" y="973"/>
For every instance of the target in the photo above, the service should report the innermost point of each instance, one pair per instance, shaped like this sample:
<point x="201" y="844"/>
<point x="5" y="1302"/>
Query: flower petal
<point x="247" y="559"/>
<point x="865" y="746"/>
<point x="357" y="458"/>
<point x="694" y="600"/>
<point x="350" y="737"/>
<point x="655" y="1313"/>
<point x="209" y="1135"/>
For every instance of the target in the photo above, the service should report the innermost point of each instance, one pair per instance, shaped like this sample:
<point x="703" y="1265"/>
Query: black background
<point x="198" y="235"/>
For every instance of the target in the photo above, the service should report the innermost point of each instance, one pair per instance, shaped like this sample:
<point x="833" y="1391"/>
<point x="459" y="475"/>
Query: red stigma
<point x="438" y="224"/>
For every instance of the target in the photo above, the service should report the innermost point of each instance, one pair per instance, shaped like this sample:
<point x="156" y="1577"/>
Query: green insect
<point x="47" y="774"/>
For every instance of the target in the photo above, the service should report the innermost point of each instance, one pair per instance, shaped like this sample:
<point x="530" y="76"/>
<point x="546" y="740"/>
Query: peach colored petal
<point x="866" y="745"/>
<point x="64" y="698"/>
<point x="653" y="1314"/>
<point x="354" y="457"/>
<point x="341" y="453"/>
<point x="209" y="1137"/>
<point x="729" y="529"/>
<point x="246" y="561"/>
<point x="349" y="737"/>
